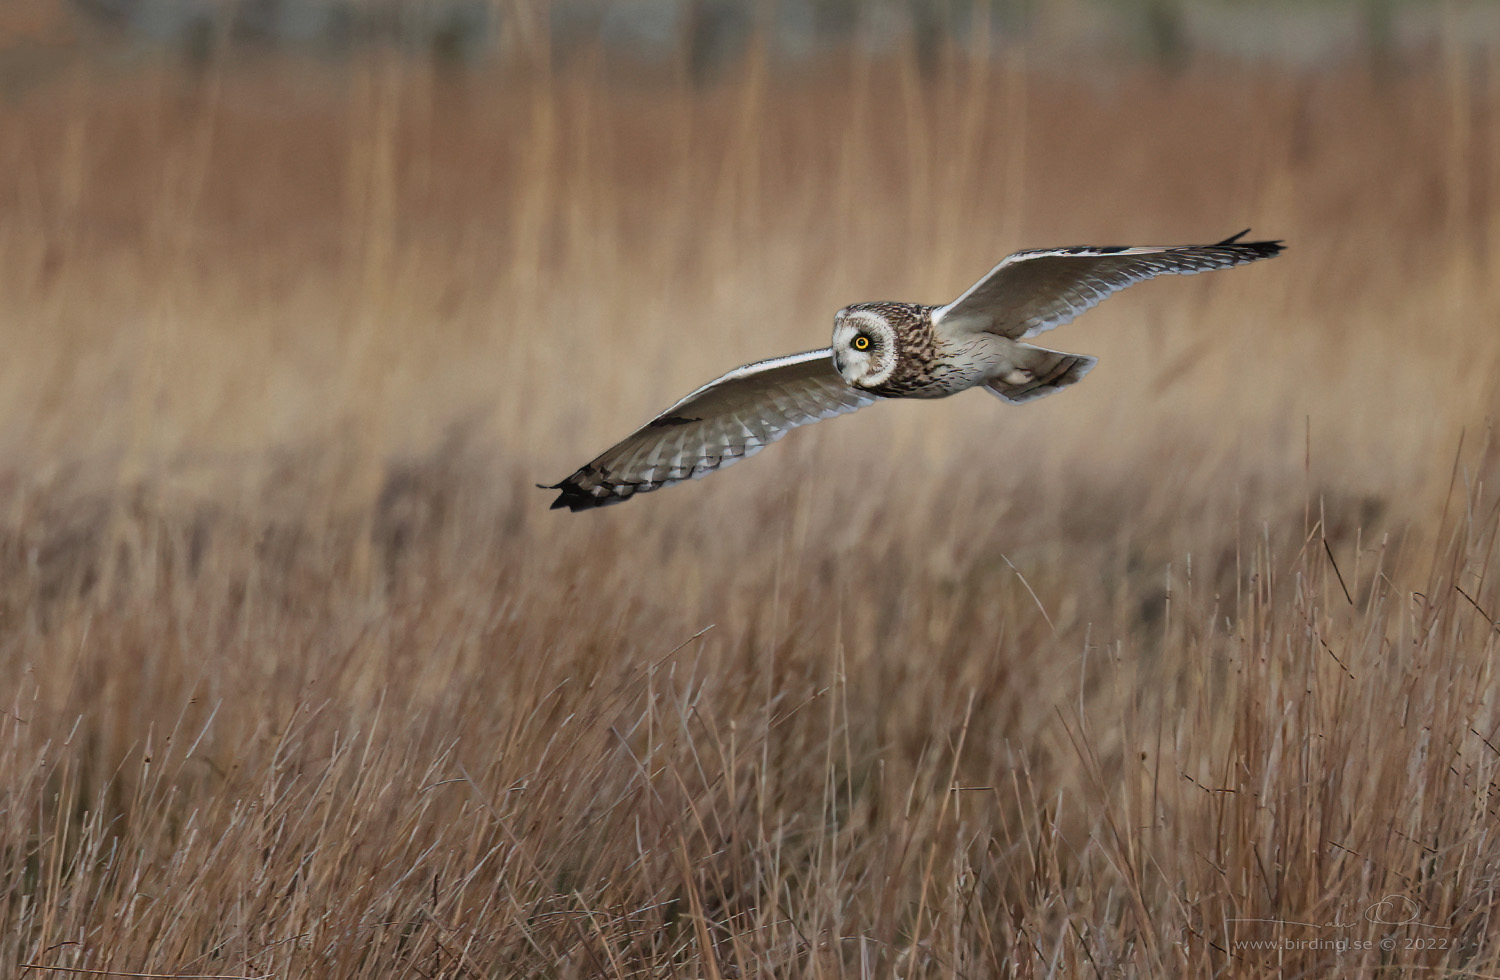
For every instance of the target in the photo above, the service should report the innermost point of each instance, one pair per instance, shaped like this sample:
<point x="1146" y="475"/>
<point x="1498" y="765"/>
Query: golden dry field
<point x="1184" y="672"/>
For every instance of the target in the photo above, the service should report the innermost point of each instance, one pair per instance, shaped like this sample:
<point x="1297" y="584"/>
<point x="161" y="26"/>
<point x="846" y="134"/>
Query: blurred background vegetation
<point x="707" y="36"/>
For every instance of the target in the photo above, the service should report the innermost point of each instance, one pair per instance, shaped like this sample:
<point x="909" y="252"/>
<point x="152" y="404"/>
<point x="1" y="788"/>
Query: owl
<point x="893" y="350"/>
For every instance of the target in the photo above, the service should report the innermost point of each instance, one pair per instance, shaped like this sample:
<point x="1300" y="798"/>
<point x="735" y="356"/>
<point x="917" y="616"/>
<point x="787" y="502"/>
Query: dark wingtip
<point x="562" y="498"/>
<point x="1261" y="250"/>
<point x="575" y="498"/>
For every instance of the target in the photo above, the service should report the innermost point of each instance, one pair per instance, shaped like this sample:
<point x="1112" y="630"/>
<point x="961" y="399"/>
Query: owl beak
<point x="843" y="369"/>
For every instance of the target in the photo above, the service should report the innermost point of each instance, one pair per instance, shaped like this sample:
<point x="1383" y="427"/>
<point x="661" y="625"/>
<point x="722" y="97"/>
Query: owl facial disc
<point x="864" y="347"/>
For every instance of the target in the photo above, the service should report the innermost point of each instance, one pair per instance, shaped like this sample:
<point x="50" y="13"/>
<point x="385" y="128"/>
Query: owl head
<point x="868" y="341"/>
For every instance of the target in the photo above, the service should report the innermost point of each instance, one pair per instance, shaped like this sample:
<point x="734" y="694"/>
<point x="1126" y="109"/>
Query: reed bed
<point x="1187" y="671"/>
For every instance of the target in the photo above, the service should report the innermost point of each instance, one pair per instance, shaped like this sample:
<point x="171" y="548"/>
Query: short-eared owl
<point x="893" y="350"/>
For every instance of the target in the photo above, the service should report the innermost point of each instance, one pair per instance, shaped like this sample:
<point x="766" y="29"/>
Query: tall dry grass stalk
<point x="1187" y="672"/>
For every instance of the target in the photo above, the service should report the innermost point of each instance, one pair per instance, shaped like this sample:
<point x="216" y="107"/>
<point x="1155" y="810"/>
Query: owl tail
<point x="1037" y="371"/>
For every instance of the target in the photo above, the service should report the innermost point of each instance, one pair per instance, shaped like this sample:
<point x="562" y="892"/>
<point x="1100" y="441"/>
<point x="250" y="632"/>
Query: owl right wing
<point x="1030" y="292"/>
<point x="726" y="420"/>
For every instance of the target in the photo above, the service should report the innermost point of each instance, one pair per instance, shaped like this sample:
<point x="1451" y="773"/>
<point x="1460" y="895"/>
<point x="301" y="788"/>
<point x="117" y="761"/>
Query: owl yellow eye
<point x="861" y="342"/>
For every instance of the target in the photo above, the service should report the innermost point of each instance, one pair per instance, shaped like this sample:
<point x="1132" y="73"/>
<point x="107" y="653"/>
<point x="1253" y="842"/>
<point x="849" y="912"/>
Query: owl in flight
<point x="893" y="350"/>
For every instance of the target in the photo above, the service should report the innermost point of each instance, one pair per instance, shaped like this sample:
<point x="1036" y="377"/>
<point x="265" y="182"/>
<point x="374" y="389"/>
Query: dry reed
<point x="1186" y="672"/>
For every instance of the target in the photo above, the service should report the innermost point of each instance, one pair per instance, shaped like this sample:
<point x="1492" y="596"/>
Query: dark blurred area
<point x="704" y="37"/>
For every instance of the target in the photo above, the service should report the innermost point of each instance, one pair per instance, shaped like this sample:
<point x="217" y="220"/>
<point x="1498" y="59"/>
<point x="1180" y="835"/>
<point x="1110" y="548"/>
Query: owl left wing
<point x="1030" y="292"/>
<point x="726" y="420"/>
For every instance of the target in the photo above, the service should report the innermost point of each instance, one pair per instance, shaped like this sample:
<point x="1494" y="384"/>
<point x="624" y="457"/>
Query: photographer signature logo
<point x="1393" y="910"/>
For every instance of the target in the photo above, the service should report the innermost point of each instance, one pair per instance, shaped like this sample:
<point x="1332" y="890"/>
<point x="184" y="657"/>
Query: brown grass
<point x="306" y="680"/>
